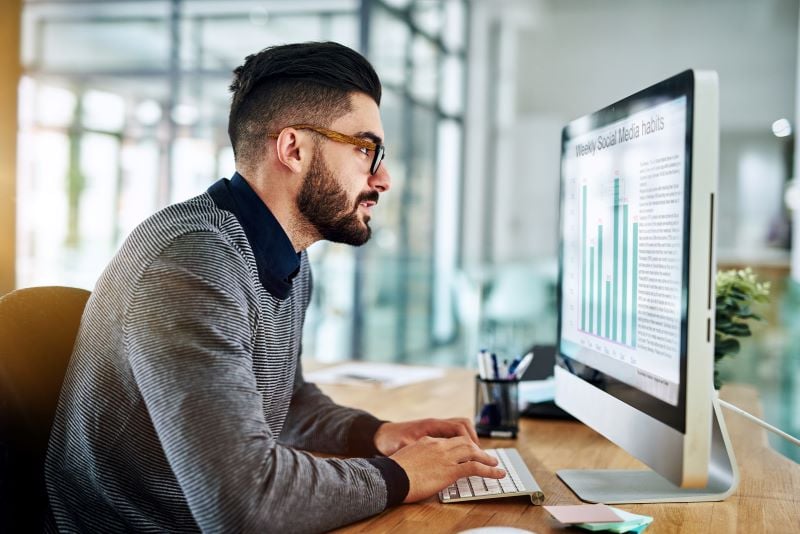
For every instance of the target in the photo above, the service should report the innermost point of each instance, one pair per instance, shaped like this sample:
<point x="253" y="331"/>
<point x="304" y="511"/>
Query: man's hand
<point x="392" y="437"/>
<point x="432" y="464"/>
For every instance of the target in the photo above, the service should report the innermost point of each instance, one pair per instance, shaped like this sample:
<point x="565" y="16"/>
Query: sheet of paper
<point x="385" y="375"/>
<point x="583" y="513"/>
<point x="535" y="391"/>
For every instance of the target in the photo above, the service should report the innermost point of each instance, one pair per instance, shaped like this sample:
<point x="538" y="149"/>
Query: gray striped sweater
<point x="184" y="404"/>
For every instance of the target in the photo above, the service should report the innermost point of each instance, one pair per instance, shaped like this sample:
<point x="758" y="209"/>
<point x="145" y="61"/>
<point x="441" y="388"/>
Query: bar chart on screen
<point x="609" y="284"/>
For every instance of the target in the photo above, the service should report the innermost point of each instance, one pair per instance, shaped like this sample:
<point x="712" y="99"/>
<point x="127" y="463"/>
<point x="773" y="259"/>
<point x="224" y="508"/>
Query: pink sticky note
<point x="583" y="513"/>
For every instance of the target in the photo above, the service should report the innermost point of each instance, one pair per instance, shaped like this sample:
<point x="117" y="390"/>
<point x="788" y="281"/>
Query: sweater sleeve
<point x="317" y="423"/>
<point x="188" y="341"/>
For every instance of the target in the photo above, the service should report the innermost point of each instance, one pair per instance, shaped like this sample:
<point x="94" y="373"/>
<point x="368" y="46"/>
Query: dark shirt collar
<point x="276" y="259"/>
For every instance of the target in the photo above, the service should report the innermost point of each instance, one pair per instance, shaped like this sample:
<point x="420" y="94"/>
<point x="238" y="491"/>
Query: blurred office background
<point x="122" y="109"/>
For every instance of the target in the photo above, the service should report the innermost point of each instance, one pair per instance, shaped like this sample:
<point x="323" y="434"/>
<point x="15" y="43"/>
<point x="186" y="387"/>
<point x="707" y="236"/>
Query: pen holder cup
<point x="496" y="407"/>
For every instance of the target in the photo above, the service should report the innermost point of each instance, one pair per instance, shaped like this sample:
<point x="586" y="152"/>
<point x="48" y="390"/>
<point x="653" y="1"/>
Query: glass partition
<point x="408" y="298"/>
<point x="123" y="109"/>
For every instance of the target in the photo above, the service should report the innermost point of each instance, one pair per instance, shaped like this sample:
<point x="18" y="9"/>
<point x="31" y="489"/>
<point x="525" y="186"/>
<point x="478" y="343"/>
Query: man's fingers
<point x="461" y="449"/>
<point x="459" y="426"/>
<point x="445" y="428"/>
<point x="478" y="469"/>
<point x="463" y="431"/>
<point x="469" y="427"/>
<point x="468" y="452"/>
<point x="487" y="458"/>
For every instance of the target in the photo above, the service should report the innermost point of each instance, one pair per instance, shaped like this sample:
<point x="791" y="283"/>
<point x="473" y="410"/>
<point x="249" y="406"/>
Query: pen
<point x="518" y="361"/>
<point x="482" y="370"/>
<point x="495" y="370"/>
<point x="514" y="365"/>
<point x="523" y="365"/>
<point x="487" y="364"/>
<point x="504" y="370"/>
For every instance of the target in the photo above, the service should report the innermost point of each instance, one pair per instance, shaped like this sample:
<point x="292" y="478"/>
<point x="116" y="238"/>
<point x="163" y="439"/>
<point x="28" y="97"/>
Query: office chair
<point x="38" y="326"/>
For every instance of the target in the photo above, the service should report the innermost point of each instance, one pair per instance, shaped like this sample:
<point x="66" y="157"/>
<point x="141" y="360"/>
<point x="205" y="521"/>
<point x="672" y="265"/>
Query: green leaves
<point x="736" y="291"/>
<point x="725" y="346"/>
<point x="735" y="329"/>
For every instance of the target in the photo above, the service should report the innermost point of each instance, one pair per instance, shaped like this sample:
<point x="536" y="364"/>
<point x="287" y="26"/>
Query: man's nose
<point x="381" y="180"/>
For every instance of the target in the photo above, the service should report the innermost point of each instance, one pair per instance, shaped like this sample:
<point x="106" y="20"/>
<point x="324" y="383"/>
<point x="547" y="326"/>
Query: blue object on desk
<point x="490" y="415"/>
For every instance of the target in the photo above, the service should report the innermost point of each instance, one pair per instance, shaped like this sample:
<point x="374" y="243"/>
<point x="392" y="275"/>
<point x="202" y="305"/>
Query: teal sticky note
<point x="632" y="523"/>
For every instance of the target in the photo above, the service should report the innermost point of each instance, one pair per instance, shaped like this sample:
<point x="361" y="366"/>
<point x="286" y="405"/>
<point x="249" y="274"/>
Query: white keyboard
<point x="518" y="481"/>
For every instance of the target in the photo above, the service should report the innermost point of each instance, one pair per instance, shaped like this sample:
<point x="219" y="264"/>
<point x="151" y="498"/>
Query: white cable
<point x="758" y="421"/>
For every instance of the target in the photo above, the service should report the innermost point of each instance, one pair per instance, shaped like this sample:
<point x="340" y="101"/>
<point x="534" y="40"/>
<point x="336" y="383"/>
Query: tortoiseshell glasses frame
<point x="379" y="151"/>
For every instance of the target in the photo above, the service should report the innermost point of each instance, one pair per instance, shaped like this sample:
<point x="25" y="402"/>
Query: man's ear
<point x="293" y="150"/>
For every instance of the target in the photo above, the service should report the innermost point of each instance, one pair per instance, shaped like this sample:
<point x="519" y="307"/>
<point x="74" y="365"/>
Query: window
<point x="123" y="110"/>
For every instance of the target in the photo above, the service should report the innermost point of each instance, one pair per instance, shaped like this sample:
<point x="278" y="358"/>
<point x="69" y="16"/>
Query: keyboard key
<point x="508" y="485"/>
<point x="478" y="486"/>
<point x="493" y="486"/>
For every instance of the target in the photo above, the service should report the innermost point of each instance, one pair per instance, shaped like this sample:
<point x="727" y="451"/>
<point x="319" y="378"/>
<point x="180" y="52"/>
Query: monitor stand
<point x="627" y="486"/>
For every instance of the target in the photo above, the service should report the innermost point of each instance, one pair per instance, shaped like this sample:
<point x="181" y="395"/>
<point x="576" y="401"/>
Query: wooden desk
<point x="767" y="499"/>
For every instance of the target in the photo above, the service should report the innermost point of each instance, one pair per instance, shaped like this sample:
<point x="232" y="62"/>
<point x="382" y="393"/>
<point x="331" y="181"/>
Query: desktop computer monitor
<point x="636" y="291"/>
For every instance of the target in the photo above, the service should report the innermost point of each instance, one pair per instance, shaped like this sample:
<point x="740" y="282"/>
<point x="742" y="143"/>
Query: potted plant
<point x="737" y="292"/>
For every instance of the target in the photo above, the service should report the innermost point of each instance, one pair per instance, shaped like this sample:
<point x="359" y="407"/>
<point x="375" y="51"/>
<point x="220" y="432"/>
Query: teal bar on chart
<point x="634" y="281"/>
<point x="600" y="279"/>
<point x="624" y="317"/>
<point x="614" y="283"/>
<point x="583" y="264"/>
<point x="608" y="308"/>
<point x="591" y="289"/>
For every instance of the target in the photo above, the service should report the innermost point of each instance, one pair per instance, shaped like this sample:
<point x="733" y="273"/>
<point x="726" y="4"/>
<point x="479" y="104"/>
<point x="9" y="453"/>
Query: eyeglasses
<point x="363" y="144"/>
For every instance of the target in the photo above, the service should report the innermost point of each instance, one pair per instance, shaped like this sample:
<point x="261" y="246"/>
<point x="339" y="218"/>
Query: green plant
<point x="737" y="293"/>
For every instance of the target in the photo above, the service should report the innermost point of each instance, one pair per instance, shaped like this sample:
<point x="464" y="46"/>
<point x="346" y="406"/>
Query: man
<point x="184" y="407"/>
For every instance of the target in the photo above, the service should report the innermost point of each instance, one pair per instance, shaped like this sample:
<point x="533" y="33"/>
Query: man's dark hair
<point x="291" y="84"/>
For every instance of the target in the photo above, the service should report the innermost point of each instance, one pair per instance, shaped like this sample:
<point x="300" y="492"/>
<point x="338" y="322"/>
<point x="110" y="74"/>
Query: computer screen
<point x="623" y="307"/>
<point x="636" y="271"/>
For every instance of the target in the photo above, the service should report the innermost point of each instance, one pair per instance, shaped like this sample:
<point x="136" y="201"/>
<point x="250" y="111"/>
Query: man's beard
<point x="325" y="205"/>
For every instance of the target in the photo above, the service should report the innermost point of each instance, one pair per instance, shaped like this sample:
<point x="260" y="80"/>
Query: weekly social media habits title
<point x="622" y="134"/>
